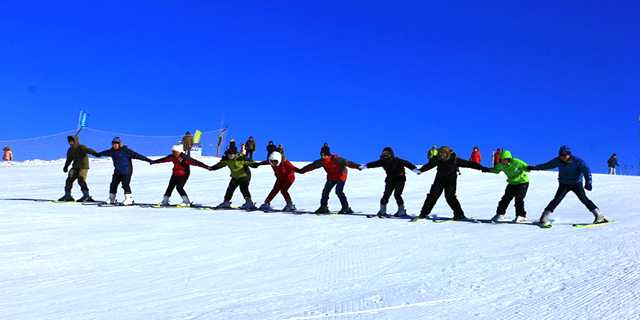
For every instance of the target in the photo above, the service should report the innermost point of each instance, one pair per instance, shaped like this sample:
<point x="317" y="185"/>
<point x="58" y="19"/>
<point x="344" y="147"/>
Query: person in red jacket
<point x="497" y="157"/>
<point x="336" y="168"/>
<point x="476" y="157"/>
<point x="181" y="171"/>
<point x="285" y="173"/>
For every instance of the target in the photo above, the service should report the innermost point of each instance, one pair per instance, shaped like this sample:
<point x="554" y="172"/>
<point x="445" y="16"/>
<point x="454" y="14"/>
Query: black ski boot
<point x="322" y="210"/>
<point x="86" y="197"/>
<point x="346" y="210"/>
<point x="66" y="198"/>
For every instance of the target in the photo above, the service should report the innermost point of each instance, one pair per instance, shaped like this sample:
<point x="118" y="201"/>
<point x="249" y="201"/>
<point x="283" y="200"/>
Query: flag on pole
<point x="197" y="136"/>
<point x="82" y="121"/>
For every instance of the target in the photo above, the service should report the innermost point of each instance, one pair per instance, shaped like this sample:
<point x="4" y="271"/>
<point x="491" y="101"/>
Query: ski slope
<point x="70" y="261"/>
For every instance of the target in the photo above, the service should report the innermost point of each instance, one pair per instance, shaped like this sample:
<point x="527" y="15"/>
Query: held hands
<point x="588" y="187"/>
<point x="65" y="169"/>
<point x="362" y="167"/>
<point x="417" y="171"/>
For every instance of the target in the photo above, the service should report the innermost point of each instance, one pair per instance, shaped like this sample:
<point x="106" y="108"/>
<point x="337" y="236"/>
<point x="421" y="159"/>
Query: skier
<point x="77" y="157"/>
<point x="7" y="154"/>
<point x="518" y="184"/>
<point x="613" y="163"/>
<point x="432" y="152"/>
<point x="251" y="147"/>
<point x="336" y="168"/>
<point x="446" y="180"/>
<point x="497" y="155"/>
<point x="123" y="169"/>
<point x="271" y="147"/>
<point x="395" y="181"/>
<point x="180" y="174"/>
<point x="285" y="176"/>
<point x="475" y="155"/>
<point x="240" y="177"/>
<point x="571" y="171"/>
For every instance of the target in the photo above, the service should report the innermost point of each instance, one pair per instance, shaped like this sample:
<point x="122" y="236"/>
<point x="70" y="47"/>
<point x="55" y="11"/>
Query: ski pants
<point x="281" y="186"/>
<point x="395" y="186"/>
<point x="116" y="179"/>
<point x="517" y="191"/>
<point x="176" y="182"/>
<point x="563" y="189"/>
<point x="612" y="170"/>
<point x="81" y="176"/>
<point x="449" y="186"/>
<point x="243" y="183"/>
<point x="328" y="186"/>
<point x="250" y="154"/>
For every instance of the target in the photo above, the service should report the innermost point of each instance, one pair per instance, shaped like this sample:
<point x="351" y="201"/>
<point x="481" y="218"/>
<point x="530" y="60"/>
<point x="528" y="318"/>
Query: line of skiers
<point x="572" y="170"/>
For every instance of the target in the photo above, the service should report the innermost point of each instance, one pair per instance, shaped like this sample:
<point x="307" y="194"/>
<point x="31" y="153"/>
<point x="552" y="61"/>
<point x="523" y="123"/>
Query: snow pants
<point x="281" y="186"/>
<point x="176" y="182"/>
<point x="328" y="186"/>
<point x="81" y="176"/>
<point x="243" y="183"/>
<point x="563" y="189"/>
<point x="116" y="179"/>
<point x="612" y="170"/>
<point x="395" y="186"/>
<point x="517" y="191"/>
<point x="449" y="186"/>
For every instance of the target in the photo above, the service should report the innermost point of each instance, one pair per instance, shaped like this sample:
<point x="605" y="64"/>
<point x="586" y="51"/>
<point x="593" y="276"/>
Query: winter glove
<point x="362" y="167"/>
<point x="65" y="169"/>
<point x="417" y="171"/>
<point x="588" y="187"/>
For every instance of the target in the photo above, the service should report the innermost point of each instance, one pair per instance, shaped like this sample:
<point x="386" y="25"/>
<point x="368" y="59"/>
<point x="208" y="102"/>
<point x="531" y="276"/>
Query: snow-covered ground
<point x="69" y="261"/>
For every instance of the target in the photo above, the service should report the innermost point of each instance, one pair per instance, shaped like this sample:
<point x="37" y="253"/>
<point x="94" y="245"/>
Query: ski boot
<point x="85" y="197"/>
<point x="322" y="210"/>
<point x="346" y="210"/>
<point x="224" y="205"/>
<point x="401" y="212"/>
<point x="66" y="198"/>
<point x="249" y="205"/>
<point x="266" y="207"/>
<point x="382" y="213"/>
<point x="497" y="217"/>
<point x="418" y="218"/>
<point x="128" y="200"/>
<point x="185" y="202"/>
<point x="164" y="202"/>
<point x="112" y="198"/>
<point x="598" y="217"/>
<point x="290" y="207"/>
<point x="460" y="218"/>
<point x="544" y="219"/>
<point x="520" y="219"/>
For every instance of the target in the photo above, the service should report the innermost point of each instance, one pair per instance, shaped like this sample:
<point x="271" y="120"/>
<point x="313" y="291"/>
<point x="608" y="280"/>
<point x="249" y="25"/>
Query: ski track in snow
<point x="69" y="261"/>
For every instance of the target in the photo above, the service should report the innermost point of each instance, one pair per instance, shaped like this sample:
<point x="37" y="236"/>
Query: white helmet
<point x="276" y="156"/>
<point x="178" y="148"/>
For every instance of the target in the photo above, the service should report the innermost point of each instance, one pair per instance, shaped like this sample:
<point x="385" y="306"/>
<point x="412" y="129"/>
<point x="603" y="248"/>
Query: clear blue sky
<point x="358" y="74"/>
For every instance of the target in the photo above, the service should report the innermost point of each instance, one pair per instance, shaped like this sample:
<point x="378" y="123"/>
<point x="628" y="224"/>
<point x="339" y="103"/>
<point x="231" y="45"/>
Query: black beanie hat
<point x="325" y="151"/>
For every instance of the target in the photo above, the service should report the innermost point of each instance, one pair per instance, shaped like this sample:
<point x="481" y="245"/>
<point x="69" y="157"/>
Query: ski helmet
<point x="178" y="148"/>
<point x="275" y="157"/>
<point x="116" y="140"/>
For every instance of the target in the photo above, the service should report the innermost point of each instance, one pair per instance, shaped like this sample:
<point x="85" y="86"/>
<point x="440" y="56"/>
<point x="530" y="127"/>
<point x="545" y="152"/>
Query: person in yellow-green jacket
<point x="239" y="166"/>
<point x="518" y="179"/>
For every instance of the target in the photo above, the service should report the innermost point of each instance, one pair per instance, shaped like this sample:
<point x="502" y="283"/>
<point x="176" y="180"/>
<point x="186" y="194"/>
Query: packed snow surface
<point x="72" y="261"/>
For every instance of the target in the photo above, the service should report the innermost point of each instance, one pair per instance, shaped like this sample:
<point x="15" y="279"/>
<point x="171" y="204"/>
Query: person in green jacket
<point x="239" y="166"/>
<point x="518" y="179"/>
<point x="78" y="159"/>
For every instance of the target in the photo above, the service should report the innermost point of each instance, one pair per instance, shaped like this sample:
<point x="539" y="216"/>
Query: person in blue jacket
<point x="571" y="171"/>
<point x="122" y="158"/>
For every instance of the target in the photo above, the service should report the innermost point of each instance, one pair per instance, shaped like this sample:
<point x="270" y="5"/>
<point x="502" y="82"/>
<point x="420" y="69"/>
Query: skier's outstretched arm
<point x="163" y="160"/>
<point x="89" y="150"/>
<point x="409" y="165"/>
<point x="218" y="165"/>
<point x="374" y="164"/>
<point x="103" y="153"/>
<point x="192" y="161"/>
<point x="311" y="166"/>
<point x="472" y="165"/>
<point x="554" y="163"/>
<point x="137" y="156"/>
<point x="430" y="165"/>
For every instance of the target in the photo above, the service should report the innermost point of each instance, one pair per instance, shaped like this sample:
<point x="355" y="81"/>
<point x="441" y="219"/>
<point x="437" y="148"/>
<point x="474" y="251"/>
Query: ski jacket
<point x="122" y="159"/>
<point x="335" y="166"/>
<point x="77" y="157"/>
<point x="613" y="162"/>
<point x="394" y="167"/>
<point x="239" y="167"/>
<point x="496" y="157"/>
<point x="250" y="145"/>
<point x="570" y="172"/>
<point x="476" y="157"/>
<point x="515" y="170"/>
<point x="181" y="164"/>
<point x="285" y="171"/>
<point x="448" y="169"/>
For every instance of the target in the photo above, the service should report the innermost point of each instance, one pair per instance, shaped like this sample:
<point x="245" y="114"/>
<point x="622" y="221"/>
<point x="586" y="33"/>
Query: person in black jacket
<point x="613" y="163"/>
<point x="78" y="159"/>
<point x="122" y="169"/>
<point x="395" y="181"/>
<point x="446" y="180"/>
<point x="250" y="145"/>
<point x="271" y="148"/>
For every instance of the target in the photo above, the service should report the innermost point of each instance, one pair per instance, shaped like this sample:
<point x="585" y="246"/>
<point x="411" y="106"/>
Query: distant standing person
<point x="497" y="157"/>
<point x="570" y="173"/>
<point x="613" y="164"/>
<point x="271" y="148"/>
<point x="476" y="157"/>
<point x="78" y="159"/>
<point x="7" y="154"/>
<point x="251" y="147"/>
<point x="187" y="143"/>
